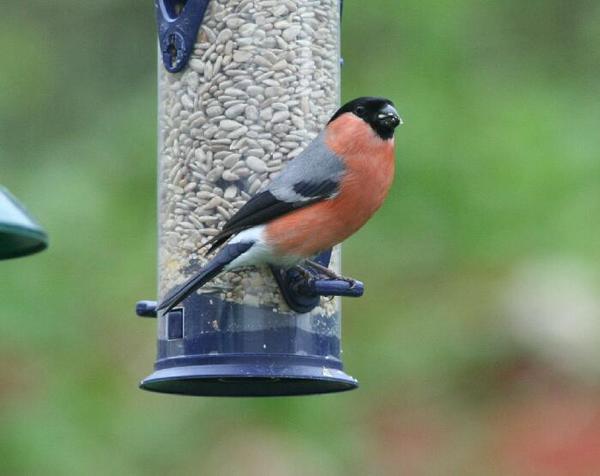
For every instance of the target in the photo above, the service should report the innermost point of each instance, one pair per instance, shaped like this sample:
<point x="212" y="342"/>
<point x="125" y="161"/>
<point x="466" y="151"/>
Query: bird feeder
<point x="243" y="87"/>
<point x="20" y="235"/>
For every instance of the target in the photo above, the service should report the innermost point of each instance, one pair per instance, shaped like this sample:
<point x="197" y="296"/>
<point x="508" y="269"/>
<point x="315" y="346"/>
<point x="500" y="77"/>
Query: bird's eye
<point x="360" y="111"/>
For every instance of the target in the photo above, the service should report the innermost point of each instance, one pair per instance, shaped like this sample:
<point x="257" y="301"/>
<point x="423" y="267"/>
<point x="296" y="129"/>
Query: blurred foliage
<point x="497" y="168"/>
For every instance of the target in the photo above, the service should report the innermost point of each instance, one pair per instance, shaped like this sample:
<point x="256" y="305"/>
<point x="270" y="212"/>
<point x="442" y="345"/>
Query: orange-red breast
<point x="320" y="198"/>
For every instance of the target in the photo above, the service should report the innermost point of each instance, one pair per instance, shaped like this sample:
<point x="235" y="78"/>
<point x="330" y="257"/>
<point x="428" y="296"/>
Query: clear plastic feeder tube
<point x="262" y="81"/>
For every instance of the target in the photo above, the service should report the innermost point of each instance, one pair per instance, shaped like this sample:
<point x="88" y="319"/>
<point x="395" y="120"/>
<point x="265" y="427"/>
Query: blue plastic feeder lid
<point x="20" y="235"/>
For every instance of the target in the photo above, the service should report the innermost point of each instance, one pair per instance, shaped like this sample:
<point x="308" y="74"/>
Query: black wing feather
<point x="258" y="210"/>
<point x="316" y="189"/>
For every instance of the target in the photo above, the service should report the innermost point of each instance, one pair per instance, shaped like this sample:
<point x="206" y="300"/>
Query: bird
<point x="320" y="198"/>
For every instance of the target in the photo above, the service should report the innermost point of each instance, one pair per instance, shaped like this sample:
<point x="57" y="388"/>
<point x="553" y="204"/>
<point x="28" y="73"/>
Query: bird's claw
<point x="305" y="273"/>
<point x="329" y="274"/>
<point x="324" y="270"/>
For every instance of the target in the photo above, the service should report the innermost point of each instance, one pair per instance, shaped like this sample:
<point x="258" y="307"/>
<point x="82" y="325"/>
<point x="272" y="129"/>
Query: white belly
<point x="260" y="252"/>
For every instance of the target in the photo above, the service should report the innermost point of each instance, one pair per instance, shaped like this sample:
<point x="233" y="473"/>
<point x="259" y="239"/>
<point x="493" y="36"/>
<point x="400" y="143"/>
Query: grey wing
<point x="315" y="173"/>
<point x="312" y="176"/>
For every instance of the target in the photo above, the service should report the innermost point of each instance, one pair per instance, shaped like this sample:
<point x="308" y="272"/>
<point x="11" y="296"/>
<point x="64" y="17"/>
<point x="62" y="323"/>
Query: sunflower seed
<point x="256" y="164"/>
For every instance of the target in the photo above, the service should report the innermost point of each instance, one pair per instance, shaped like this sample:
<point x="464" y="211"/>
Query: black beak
<point x="388" y="117"/>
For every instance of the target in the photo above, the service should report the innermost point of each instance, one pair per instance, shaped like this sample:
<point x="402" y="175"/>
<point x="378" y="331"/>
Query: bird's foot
<point x="305" y="273"/>
<point x="329" y="273"/>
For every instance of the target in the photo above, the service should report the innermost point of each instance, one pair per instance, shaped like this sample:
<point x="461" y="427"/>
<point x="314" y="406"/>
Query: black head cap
<point x="379" y="113"/>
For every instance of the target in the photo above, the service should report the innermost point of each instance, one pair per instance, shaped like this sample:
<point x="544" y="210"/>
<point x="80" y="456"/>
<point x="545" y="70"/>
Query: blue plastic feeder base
<point x="258" y="376"/>
<point x="213" y="347"/>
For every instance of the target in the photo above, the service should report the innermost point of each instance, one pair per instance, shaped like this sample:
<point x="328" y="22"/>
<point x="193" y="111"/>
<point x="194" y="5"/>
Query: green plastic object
<point x="20" y="235"/>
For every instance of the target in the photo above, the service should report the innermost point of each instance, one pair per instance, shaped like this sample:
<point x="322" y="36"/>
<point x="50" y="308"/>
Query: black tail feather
<point x="212" y="269"/>
<point x="217" y="241"/>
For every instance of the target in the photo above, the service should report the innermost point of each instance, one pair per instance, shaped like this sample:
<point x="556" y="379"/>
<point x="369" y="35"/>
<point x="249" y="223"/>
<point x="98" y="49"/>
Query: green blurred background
<point x="477" y="343"/>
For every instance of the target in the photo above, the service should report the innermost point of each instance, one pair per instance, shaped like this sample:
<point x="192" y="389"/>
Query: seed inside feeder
<point x="260" y="85"/>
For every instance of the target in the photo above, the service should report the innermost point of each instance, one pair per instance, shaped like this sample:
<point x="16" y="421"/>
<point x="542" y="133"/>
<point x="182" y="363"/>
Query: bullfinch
<point x="320" y="198"/>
